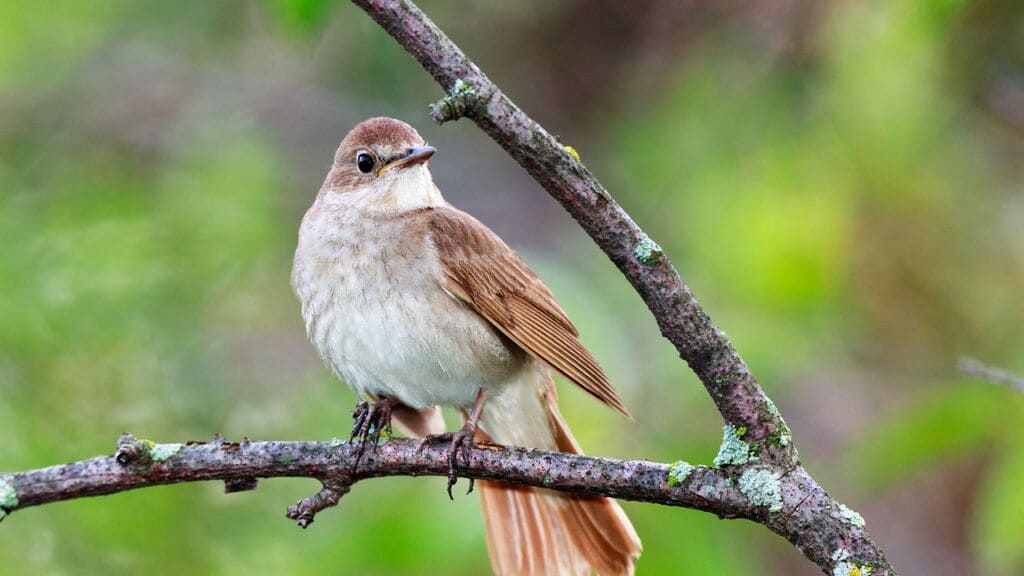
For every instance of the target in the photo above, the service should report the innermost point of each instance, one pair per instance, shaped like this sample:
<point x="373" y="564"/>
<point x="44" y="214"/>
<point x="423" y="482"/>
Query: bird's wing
<point x="480" y="269"/>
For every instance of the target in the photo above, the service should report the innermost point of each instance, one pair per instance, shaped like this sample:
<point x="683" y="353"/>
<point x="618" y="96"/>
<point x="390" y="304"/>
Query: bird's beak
<point x="415" y="156"/>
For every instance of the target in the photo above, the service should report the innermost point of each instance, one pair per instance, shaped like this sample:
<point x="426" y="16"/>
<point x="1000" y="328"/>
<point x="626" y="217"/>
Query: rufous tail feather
<point x="532" y="531"/>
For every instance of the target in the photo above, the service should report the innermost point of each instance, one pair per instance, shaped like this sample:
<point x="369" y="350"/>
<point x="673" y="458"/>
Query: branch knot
<point x="460" y="101"/>
<point x="132" y="451"/>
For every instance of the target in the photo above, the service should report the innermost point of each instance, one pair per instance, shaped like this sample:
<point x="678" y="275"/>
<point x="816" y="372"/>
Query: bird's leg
<point x="370" y="420"/>
<point x="462" y="440"/>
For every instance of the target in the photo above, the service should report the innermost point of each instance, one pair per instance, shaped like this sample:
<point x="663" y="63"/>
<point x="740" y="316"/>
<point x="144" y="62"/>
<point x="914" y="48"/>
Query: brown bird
<point x="417" y="305"/>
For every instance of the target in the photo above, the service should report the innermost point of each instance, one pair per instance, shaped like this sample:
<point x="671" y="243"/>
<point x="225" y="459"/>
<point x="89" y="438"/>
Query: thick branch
<point x="747" y="410"/>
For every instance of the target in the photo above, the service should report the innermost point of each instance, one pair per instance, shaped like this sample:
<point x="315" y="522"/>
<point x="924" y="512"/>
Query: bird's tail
<point x="532" y="531"/>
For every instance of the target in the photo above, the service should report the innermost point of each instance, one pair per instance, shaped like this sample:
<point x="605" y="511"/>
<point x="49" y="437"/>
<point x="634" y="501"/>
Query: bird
<point x="416" y="305"/>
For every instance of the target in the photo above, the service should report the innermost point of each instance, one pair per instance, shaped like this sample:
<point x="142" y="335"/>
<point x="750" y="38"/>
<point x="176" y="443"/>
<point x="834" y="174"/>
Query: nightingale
<point x="417" y="305"/>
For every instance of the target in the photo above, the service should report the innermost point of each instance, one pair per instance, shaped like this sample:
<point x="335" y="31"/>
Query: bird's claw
<point x="370" y="422"/>
<point x="459" y="442"/>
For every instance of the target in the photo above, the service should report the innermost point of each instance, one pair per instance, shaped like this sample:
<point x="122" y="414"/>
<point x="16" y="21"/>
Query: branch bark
<point x="757" y="473"/>
<point x="141" y="463"/>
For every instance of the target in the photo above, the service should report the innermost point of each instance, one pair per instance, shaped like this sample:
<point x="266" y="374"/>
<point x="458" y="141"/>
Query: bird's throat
<point x="410" y="189"/>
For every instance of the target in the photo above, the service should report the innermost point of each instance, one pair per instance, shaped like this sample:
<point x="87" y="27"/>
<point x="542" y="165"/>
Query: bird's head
<point x="383" y="159"/>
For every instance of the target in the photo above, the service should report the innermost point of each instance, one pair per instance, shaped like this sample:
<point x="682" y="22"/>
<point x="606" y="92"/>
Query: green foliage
<point x="945" y="423"/>
<point x="307" y="16"/>
<point x="998" y="530"/>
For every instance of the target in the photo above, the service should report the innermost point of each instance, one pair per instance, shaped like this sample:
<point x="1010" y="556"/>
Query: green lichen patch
<point x="678" y="472"/>
<point x="284" y="458"/>
<point x="783" y="436"/>
<point x="851" y="516"/>
<point x="762" y="488"/>
<point x="733" y="450"/>
<point x="708" y="489"/>
<point x="647" y="251"/>
<point x="462" y="97"/>
<point x="145" y="450"/>
<point x="8" y="497"/>
<point x="164" y="452"/>
<point x="844" y="567"/>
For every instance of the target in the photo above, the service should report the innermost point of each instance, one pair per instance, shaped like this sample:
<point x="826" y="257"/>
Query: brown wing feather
<point x="483" y="271"/>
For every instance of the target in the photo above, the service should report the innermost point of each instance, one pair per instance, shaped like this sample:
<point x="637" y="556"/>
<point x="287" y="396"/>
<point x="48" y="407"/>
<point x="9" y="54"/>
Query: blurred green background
<point x="841" y="184"/>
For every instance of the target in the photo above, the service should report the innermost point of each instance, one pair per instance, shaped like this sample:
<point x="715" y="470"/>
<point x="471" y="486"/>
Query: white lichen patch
<point x="678" y="472"/>
<point x="336" y="442"/>
<point x="163" y="452"/>
<point x="851" y="516"/>
<point x="785" y="438"/>
<point x="647" y="250"/>
<point x="462" y="88"/>
<point x="8" y="497"/>
<point x="762" y="488"/>
<point x="733" y="450"/>
<point x="844" y="567"/>
<point x="708" y="489"/>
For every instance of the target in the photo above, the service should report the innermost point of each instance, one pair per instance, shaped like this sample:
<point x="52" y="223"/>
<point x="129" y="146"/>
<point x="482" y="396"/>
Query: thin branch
<point x="748" y="412"/>
<point x="975" y="369"/>
<point x="140" y="464"/>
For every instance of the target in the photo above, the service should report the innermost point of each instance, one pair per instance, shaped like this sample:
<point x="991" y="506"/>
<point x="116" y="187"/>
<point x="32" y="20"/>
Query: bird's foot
<point x="371" y="421"/>
<point x="459" y="443"/>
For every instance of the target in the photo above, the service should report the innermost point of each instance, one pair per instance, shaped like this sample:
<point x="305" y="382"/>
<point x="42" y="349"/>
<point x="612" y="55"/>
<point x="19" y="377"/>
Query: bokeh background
<point x="841" y="183"/>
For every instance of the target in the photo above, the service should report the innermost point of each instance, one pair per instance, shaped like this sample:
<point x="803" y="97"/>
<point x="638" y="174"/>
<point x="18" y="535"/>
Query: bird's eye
<point x="365" y="163"/>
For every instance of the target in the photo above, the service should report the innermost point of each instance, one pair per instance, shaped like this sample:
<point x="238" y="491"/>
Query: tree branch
<point x="141" y="463"/>
<point x="757" y="473"/>
<point x="740" y="399"/>
<point x="975" y="369"/>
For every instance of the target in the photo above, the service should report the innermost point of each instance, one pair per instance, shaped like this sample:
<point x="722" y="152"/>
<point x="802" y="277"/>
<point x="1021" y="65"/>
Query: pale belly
<point x="379" y="317"/>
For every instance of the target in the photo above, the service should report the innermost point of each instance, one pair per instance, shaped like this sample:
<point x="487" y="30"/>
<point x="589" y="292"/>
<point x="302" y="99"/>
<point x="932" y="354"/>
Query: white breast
<point x="374" y="306"/>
